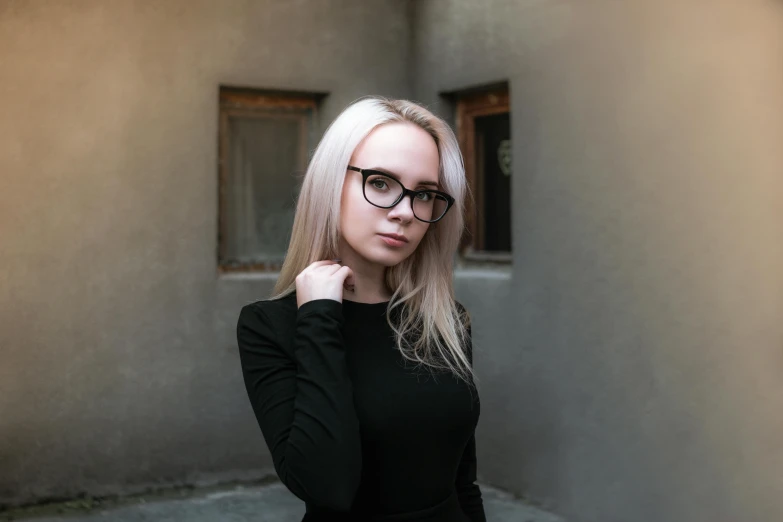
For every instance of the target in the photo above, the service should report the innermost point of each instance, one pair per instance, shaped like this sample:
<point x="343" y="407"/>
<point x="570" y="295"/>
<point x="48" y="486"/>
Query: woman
<point x="365" y="289"/>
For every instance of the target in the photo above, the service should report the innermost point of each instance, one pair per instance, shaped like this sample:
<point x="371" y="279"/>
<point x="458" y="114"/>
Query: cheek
<point x="357" y="219"/>
<point x="420" y="235"/>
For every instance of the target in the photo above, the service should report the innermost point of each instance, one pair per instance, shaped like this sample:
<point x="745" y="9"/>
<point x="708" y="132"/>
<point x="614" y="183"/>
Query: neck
<point x="368" y="283"/>
<point x="365" y="288"/>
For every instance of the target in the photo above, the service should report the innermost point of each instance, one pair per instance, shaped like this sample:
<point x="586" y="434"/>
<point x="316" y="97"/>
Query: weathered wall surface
<point x="118" y="361"/>
<point x="632" y="364"/>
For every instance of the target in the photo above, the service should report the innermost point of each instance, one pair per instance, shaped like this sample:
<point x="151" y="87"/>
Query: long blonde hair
<point x="422" y="284"/>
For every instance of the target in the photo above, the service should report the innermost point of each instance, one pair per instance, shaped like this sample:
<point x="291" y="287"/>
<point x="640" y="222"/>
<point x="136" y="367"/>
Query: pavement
<point x="239" y="503"/>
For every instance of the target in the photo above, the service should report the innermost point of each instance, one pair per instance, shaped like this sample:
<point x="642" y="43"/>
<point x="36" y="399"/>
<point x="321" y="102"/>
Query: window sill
<point x="248" y="276"/>
<point x="479" y="256"/>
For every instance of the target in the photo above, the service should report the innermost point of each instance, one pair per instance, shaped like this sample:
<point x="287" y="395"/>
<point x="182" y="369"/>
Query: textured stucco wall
<point x="118" y="362"/>
<point x="630" y="362"/>
<point x="631" y="366"/>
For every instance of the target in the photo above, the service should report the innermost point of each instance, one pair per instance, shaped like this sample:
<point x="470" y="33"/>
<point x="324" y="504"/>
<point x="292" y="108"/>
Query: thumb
<point x="348" y="274"/>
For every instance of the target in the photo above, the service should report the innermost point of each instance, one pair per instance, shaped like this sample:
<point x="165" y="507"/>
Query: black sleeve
<point x="304" y="405"/>
<point x="468" y="491"/>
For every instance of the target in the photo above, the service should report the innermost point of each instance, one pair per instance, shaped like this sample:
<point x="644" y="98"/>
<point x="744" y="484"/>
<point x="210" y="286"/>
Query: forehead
<point x="403" y="149"/>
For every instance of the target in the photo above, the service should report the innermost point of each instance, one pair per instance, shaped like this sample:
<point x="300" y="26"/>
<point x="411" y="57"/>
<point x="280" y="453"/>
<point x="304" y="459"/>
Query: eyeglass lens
<point x="383" y="191"/>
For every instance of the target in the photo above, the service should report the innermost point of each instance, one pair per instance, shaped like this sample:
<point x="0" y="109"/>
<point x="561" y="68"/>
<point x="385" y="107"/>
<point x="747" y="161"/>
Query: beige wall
<point x="118" y="362"/>
<point x="632" y="371"/>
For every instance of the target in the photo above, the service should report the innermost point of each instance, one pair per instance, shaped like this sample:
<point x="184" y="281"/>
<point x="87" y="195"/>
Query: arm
<point x="304" y="406"/>
<point x="468" y="492"/>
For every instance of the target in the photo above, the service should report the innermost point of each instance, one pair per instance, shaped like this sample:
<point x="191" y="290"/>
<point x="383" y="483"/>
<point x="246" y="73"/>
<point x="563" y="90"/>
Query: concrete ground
<point x="269" y="503"/>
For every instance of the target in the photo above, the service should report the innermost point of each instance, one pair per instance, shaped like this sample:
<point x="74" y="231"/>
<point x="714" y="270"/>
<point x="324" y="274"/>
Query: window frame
<point x="244" y="101"/>
<point x="471" y="104"/>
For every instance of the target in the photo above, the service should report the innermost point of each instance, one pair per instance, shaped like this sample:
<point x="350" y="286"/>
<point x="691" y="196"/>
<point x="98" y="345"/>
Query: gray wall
<point x="632" y="367"/>
<point x="118" y="361"/>
<point x="629" y="359"/>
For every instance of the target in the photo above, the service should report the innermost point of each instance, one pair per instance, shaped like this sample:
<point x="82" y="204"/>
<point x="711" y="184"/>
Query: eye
<point x="375" y="182"/>
<point x="426" y="196"/>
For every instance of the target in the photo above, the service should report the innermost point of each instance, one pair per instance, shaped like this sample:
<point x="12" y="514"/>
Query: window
<point x="484" y="132"/>
<point x="264" y="141"/>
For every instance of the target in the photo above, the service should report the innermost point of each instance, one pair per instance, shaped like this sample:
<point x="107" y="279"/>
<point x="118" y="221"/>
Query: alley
<point x="271" y="503"/>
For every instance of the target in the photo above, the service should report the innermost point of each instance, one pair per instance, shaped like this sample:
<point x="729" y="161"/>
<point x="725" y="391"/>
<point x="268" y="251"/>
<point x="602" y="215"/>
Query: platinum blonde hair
<point x="422" y="284"/>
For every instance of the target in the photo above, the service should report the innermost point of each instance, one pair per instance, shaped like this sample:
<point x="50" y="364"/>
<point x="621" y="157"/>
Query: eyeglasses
<point x="383" y="191"/>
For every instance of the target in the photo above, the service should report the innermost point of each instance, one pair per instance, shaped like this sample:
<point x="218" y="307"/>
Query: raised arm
<point x="304" y="405"/>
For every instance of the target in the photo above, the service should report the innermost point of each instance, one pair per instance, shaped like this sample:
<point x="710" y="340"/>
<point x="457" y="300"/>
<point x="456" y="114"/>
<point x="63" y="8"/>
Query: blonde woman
<point x="359" y="367"/>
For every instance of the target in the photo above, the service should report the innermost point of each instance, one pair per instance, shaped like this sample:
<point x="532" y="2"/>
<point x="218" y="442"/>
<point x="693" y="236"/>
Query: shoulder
<point x="267" y="314"/>
<point x="271" y="307"/>
<point x="464" y="315"/>
<point x="464" y="318"/>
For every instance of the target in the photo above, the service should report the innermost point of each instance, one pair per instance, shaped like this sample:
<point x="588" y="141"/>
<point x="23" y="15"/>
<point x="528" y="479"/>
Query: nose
<point x="402" y="210"/>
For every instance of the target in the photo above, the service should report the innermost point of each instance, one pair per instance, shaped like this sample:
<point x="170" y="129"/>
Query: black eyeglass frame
<point x="405" y="192"/>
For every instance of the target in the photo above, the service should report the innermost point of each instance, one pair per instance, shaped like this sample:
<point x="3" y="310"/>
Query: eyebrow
<point x="395" y="176"/>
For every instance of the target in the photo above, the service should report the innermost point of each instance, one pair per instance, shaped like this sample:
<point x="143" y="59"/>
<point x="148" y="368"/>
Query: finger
<point x="346" y="274"/>
<point x="327" y="269"/>
<point x="317" y="264"/>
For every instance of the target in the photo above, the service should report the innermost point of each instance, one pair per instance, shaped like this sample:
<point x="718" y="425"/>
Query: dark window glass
<point x="493" y="158"/>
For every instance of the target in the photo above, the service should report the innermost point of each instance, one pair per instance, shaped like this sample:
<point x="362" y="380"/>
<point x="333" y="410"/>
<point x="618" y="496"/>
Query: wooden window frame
<point x="471" y="104"/>
<point x="243" y="101"/>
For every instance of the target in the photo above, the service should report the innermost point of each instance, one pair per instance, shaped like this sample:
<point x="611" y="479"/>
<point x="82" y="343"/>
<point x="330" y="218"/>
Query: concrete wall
<point x="632" y="368"/>
<point x="118" y="361"/>
<point x="630" y="358"/>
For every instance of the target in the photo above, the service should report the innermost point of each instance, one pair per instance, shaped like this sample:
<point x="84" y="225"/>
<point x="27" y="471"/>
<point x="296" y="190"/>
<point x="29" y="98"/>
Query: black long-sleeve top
<point x="353" y="430"/>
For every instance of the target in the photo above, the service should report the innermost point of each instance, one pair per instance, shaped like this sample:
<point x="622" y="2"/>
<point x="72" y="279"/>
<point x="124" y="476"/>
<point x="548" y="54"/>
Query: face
<point x="408" y="152"/>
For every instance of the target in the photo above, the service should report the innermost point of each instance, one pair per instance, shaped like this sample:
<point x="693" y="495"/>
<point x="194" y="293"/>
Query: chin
<point x="387" y="259"/>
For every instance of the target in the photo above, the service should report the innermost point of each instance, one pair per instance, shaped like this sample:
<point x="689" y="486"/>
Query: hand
<point x="321" y="280"/>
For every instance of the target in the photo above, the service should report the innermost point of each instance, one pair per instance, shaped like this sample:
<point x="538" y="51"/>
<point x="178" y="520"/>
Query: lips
<point x="396" y="236"/>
